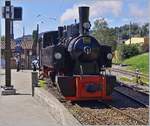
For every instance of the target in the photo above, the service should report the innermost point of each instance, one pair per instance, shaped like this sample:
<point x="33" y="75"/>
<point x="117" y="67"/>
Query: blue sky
<point x="44" y="12"/>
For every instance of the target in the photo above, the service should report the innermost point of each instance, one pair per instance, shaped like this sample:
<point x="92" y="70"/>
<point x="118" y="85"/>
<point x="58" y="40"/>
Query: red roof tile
<point x="24" y="45"/>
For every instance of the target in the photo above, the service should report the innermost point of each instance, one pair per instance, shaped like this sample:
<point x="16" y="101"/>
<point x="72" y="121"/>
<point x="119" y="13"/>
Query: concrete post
<point x="34" y="81"/>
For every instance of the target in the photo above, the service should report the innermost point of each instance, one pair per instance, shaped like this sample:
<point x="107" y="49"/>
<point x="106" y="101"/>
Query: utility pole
<point x="38" y="46"/>
<point x="23" y="33"/>
<point x="37" y="36"/>
<point x="118" y="36"/>
<point x="23" y="40"/>
<point x="130" y="32"/>
<point x="37" y="33"/>
<point x="40" y="40"/>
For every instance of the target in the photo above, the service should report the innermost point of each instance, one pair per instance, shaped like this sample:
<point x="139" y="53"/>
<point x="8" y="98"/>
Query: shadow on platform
<point x="23" y="94"/>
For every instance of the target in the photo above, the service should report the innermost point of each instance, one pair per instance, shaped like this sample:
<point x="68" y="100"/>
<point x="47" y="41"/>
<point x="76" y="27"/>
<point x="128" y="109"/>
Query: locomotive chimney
<point x="84" y="20"/>
<point x="60" y="31"/>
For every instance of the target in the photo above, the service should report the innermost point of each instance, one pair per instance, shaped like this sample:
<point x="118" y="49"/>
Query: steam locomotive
<point x="75" y="60"/>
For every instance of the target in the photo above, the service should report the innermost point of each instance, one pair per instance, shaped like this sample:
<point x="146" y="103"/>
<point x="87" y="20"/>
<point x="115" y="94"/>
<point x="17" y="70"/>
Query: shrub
<point x="127" y="51"/>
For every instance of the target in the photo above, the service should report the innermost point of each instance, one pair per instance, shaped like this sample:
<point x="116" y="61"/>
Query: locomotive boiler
<point x="76" y="61"/>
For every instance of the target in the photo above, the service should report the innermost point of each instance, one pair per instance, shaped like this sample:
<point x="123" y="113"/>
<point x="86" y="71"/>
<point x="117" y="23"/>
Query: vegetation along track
<point x="121" y="110"/>
<point x="131" y="83"/>
<point x="130" y="73"/>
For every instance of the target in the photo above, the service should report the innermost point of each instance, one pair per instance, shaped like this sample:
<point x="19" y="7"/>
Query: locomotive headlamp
<point x="57" y="55"/>
<point x="87" y="25"/>
<point x="109" y="56"/>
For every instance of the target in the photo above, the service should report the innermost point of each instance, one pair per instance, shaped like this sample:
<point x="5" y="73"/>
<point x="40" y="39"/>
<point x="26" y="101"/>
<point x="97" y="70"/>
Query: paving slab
<point x="23" y="109"/>
<point x="57" y="109"/>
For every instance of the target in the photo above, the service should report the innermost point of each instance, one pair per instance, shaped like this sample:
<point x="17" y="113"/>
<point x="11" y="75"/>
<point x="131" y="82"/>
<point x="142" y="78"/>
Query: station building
<point x="25" y="54"/>
<point x="137" y="40"/>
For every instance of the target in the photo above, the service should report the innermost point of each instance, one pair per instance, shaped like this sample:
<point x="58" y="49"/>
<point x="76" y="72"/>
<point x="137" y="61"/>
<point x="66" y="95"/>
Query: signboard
<point x="17" y="13"/>
<point x="11" y="12"/>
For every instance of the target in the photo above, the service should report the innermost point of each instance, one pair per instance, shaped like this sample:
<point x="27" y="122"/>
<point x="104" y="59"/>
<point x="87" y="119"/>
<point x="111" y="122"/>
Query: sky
<point x="50" y="14"/>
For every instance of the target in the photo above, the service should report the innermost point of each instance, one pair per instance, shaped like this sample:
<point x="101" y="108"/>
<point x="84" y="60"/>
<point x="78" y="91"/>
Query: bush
<point x="127" y="51"/>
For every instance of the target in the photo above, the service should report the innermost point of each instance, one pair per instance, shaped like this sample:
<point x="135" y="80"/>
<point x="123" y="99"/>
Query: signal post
<point x="10" y="14"/>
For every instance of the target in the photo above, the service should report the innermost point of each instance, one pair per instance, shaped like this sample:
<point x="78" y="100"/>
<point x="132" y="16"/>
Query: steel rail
<point x="89" y="114"/>
<point x="132" y="98"/>
<point x="128" y="72"/>
<point x="132" y="88"/>
<point x="113" y="108"/>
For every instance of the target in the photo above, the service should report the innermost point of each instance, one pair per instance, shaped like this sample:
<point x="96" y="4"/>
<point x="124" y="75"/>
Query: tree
<point x="100" y="24"/>
<point x="104" y="34"/>
<point x="145" y="30"/>
<point x="3" y="38"/>
<point x="127" y="51"/>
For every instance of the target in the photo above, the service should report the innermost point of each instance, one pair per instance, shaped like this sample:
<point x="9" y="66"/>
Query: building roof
<point x="135" y="40"/>
<point x="25" y="44"/>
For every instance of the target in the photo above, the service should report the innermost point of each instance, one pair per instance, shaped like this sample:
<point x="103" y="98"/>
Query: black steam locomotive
<point x="75" y="60"/>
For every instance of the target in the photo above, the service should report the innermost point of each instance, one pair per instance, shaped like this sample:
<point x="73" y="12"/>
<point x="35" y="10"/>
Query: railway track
<point x="128" y="115"/>
<point x="87" y="116"/>
<point x="132" y="98"/>
<point x="131" y="73"/>
<point x="134" y="88"/>
<point x="141" y="87"/>
<point x="123" y="110"/>
<point x="107" y="113"/>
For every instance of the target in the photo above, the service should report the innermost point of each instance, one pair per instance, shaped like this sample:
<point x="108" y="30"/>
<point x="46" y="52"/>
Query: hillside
<point x="141" y="62"/>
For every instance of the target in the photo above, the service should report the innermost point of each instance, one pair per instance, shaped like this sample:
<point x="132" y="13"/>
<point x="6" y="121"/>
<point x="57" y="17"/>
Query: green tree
<point x="3" y="38"/>
<point x="145" y="30"/>
<point x="127" y="51"/>
<point x="104" y="34"/>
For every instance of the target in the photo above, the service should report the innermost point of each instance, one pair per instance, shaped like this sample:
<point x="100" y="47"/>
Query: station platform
<point x="23" y="109"/>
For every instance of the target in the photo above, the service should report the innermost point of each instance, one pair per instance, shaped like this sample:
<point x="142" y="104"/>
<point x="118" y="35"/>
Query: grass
<point x="42" y="83"/>
<point x="133" y="79"/>
<point x="125" y="79"/>
<point x="140" y="62"/>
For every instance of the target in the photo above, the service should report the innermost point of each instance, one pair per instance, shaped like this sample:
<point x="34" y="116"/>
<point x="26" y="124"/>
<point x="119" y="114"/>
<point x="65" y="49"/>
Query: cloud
<point x="69" y="14"/>
<point x="137" y="11"/>
<point x="97" y="9"/>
